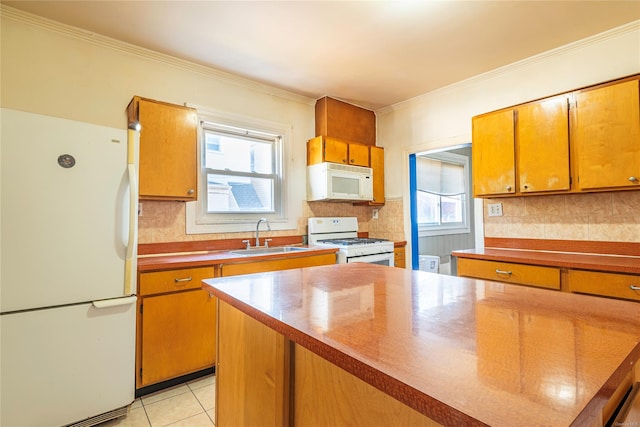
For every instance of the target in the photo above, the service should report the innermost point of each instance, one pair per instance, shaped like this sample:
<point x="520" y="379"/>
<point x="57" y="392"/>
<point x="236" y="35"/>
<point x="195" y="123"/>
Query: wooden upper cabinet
<point x="345" y="121"/>
<point x="359" y="155"/>
<point x="168" y="149"/>
<point x="542" y="141"/>
<point x="606" y="134"/>
<point x="327" y="149"/>
<point x="334" y="151"/>
<point x="493" y="154"/>
<point x="377" y="164"/>
<point x="579" y="141"/>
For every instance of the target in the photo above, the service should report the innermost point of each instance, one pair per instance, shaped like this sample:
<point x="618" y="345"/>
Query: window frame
<point x="458" y="228"/>
<point x="198" y="221"/>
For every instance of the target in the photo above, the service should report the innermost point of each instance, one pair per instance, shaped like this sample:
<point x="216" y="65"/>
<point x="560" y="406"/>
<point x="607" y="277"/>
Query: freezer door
<point x="65" y="211"/>
<point x="66" y="364"/>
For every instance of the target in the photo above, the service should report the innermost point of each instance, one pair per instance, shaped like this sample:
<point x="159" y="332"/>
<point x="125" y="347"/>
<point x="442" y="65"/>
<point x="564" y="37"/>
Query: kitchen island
<point x="362" y="344"/>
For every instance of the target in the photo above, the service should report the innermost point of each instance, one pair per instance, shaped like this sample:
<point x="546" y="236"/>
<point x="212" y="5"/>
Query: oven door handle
<point x="382" y="259"/>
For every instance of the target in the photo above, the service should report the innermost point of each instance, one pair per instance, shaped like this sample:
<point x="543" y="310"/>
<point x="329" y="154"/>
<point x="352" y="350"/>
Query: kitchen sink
<point x="264" y="251"/>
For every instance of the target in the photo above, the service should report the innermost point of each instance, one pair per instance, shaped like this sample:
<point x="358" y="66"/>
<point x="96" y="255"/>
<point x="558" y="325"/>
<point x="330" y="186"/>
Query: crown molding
<point x="110" y="43"/>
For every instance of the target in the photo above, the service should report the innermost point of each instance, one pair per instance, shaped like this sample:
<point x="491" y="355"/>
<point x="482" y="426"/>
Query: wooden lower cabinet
<point x="175" y="325"/>
<point x="326" y="395"/>
<point x="277" y="264"/>
<point x="625" y="286"/>
<point x="399" y="257"/>
<point x="264" y="379"/>
<point x="604" y="284"/>
<point x="520" y="274"/>
<point x="252" y="374"/>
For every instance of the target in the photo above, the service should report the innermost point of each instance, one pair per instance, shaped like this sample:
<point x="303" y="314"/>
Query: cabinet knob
<point x="190" y="192"/>
<point x="633" y="179"/>
<point x="508" y="188"/>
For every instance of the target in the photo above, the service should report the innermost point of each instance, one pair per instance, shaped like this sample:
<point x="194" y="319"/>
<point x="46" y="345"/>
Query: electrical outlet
<point x="374" y="213"/>
<point x="495" y="209"/>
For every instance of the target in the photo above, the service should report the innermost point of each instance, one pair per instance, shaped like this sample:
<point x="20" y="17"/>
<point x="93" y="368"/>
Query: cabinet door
<point x="335" y="151"/>
<point x="178" y="335"/>
<point x="606" y="133"/>
<point x="168" y="151"/>
<point x="359" y="155"/>
<point x="252" y="385"/>
<point x="542" y="137"/>
<point x="493" y="154"/>
<point x="399" y="257"/>
<point x="377" y="165"/>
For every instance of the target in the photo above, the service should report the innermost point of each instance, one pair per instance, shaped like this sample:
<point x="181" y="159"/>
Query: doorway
<point x="441" y="205"/>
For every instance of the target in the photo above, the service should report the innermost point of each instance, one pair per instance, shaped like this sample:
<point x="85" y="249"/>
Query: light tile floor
<point x="190" y="404"/>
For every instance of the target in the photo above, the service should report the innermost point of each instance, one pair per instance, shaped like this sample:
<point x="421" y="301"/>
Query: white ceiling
<point x="370" y="53"/>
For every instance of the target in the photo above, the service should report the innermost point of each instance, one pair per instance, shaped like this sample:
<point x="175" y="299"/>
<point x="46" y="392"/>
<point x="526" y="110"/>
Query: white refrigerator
<point x="68" y="228"/>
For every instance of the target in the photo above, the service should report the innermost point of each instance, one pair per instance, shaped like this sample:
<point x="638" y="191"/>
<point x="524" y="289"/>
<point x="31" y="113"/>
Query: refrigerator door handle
<point x="132" y="245"/>
<point x="114" y="302"/>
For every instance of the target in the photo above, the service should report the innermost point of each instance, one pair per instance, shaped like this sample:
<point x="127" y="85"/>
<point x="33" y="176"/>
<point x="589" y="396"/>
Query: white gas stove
<point x="342" y="233"/>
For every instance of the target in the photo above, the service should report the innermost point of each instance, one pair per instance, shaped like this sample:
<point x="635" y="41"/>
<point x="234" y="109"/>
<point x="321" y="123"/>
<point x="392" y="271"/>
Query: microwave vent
<point x="347" y="168"/>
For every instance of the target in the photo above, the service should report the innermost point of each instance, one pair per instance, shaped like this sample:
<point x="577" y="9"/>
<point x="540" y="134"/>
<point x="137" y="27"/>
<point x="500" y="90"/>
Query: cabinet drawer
<point x="235" y="269"/>
<point x="533" y="275"/>
<point x="604" y="284"/>
<point x="173" y="280"/>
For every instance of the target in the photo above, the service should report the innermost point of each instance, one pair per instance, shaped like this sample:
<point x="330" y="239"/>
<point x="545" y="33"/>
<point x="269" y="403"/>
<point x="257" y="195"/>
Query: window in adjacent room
<point x="442" y="196"/>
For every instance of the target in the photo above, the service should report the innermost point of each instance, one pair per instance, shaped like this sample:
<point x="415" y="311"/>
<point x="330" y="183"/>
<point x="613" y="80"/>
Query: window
<point x="241" y="170"/>
<point x="442" y="199"/>
<point x="241" y="176"/>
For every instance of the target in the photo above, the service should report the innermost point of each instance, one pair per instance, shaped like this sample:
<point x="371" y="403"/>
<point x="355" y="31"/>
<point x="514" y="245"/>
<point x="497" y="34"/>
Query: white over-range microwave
<point x="336" y="182"/>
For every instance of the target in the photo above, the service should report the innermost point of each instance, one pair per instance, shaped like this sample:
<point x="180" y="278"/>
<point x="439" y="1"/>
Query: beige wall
<point x="57" y="70"/>
<point x="443" y="118"/>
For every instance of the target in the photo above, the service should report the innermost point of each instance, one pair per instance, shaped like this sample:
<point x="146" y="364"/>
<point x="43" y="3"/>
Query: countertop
<point x="159" y="262"/>
<point x="460" y="351"/>
<point x="596" y="262"/>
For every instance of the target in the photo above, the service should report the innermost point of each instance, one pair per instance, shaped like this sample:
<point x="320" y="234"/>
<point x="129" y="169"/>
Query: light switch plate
<point x="495" y="209"/>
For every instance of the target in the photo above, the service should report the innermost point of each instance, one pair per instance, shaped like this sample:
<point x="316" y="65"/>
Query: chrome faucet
<point x="258" y="230"/>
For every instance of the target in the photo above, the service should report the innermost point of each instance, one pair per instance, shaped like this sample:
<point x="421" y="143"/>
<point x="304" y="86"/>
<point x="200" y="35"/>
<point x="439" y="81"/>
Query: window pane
<point x="428" y="209"/>
<point x="451" y="209"/>
<point x="225" y="152"/>
<point x="227" y="193"/>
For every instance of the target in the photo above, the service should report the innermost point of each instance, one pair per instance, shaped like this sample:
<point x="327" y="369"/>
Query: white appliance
<point x="68" y="265"/>
<point x="342" y="233"/>
<point x="336" y="182"/>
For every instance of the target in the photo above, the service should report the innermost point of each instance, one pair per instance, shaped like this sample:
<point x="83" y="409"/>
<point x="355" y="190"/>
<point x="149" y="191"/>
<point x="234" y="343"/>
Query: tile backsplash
<point x="607" y="216"/>
<point x="163" y="221"/>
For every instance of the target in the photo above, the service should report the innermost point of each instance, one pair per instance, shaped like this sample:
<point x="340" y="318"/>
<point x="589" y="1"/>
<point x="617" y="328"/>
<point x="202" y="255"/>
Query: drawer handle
<point x="184" y="279"/>
<point x="634" y="288"/>
<point x="507" y="273"/>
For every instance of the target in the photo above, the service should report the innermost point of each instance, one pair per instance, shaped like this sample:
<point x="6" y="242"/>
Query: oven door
<point x="381" y="259"/>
